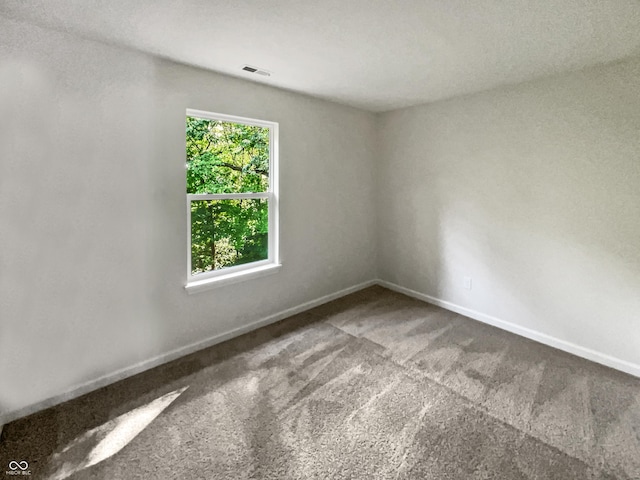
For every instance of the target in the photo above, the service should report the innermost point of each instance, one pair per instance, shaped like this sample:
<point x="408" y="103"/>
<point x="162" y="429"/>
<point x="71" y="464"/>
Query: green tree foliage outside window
<point x="225" y="157"/>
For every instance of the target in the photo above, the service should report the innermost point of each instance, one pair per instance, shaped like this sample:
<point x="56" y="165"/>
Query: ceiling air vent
<point x="249" y="68"/>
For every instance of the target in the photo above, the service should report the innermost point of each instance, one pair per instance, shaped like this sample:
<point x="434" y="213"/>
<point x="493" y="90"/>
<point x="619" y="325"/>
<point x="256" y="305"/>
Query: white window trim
<point x="239" y="273"/>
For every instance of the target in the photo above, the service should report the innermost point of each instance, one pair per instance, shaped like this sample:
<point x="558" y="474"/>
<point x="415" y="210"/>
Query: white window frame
<point x="238" y="273"/>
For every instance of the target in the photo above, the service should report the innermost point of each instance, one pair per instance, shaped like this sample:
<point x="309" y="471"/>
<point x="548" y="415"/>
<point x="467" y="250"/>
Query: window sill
<point x="235" y="277"/>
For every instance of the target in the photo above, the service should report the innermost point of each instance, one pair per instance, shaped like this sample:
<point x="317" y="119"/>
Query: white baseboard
<point x="121" y="374"/>
<point x="595" y="356"/>
<point x="78" y="390"/>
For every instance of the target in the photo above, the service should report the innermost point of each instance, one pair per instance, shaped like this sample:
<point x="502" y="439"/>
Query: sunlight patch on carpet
<point x="109" y="438"/>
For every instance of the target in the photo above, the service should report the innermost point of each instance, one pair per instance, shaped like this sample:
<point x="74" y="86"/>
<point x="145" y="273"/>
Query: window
<point x="232" y="198"/>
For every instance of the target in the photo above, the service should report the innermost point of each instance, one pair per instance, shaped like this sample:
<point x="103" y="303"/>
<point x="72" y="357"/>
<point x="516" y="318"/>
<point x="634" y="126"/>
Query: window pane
<point x="226" y="157"/>
<point x="225" y="233"/>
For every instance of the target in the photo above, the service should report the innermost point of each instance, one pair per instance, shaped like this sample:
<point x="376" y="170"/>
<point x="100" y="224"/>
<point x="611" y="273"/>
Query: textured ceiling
<point x="373" y="54"/>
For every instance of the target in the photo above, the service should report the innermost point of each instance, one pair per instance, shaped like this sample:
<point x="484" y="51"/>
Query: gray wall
<point x="93" y="209"/>
<point x="534" y="192"/>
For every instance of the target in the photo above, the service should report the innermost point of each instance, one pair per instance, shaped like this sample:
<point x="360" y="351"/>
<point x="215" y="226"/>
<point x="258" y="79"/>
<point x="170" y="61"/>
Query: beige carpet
<point x="374" y="385"/>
